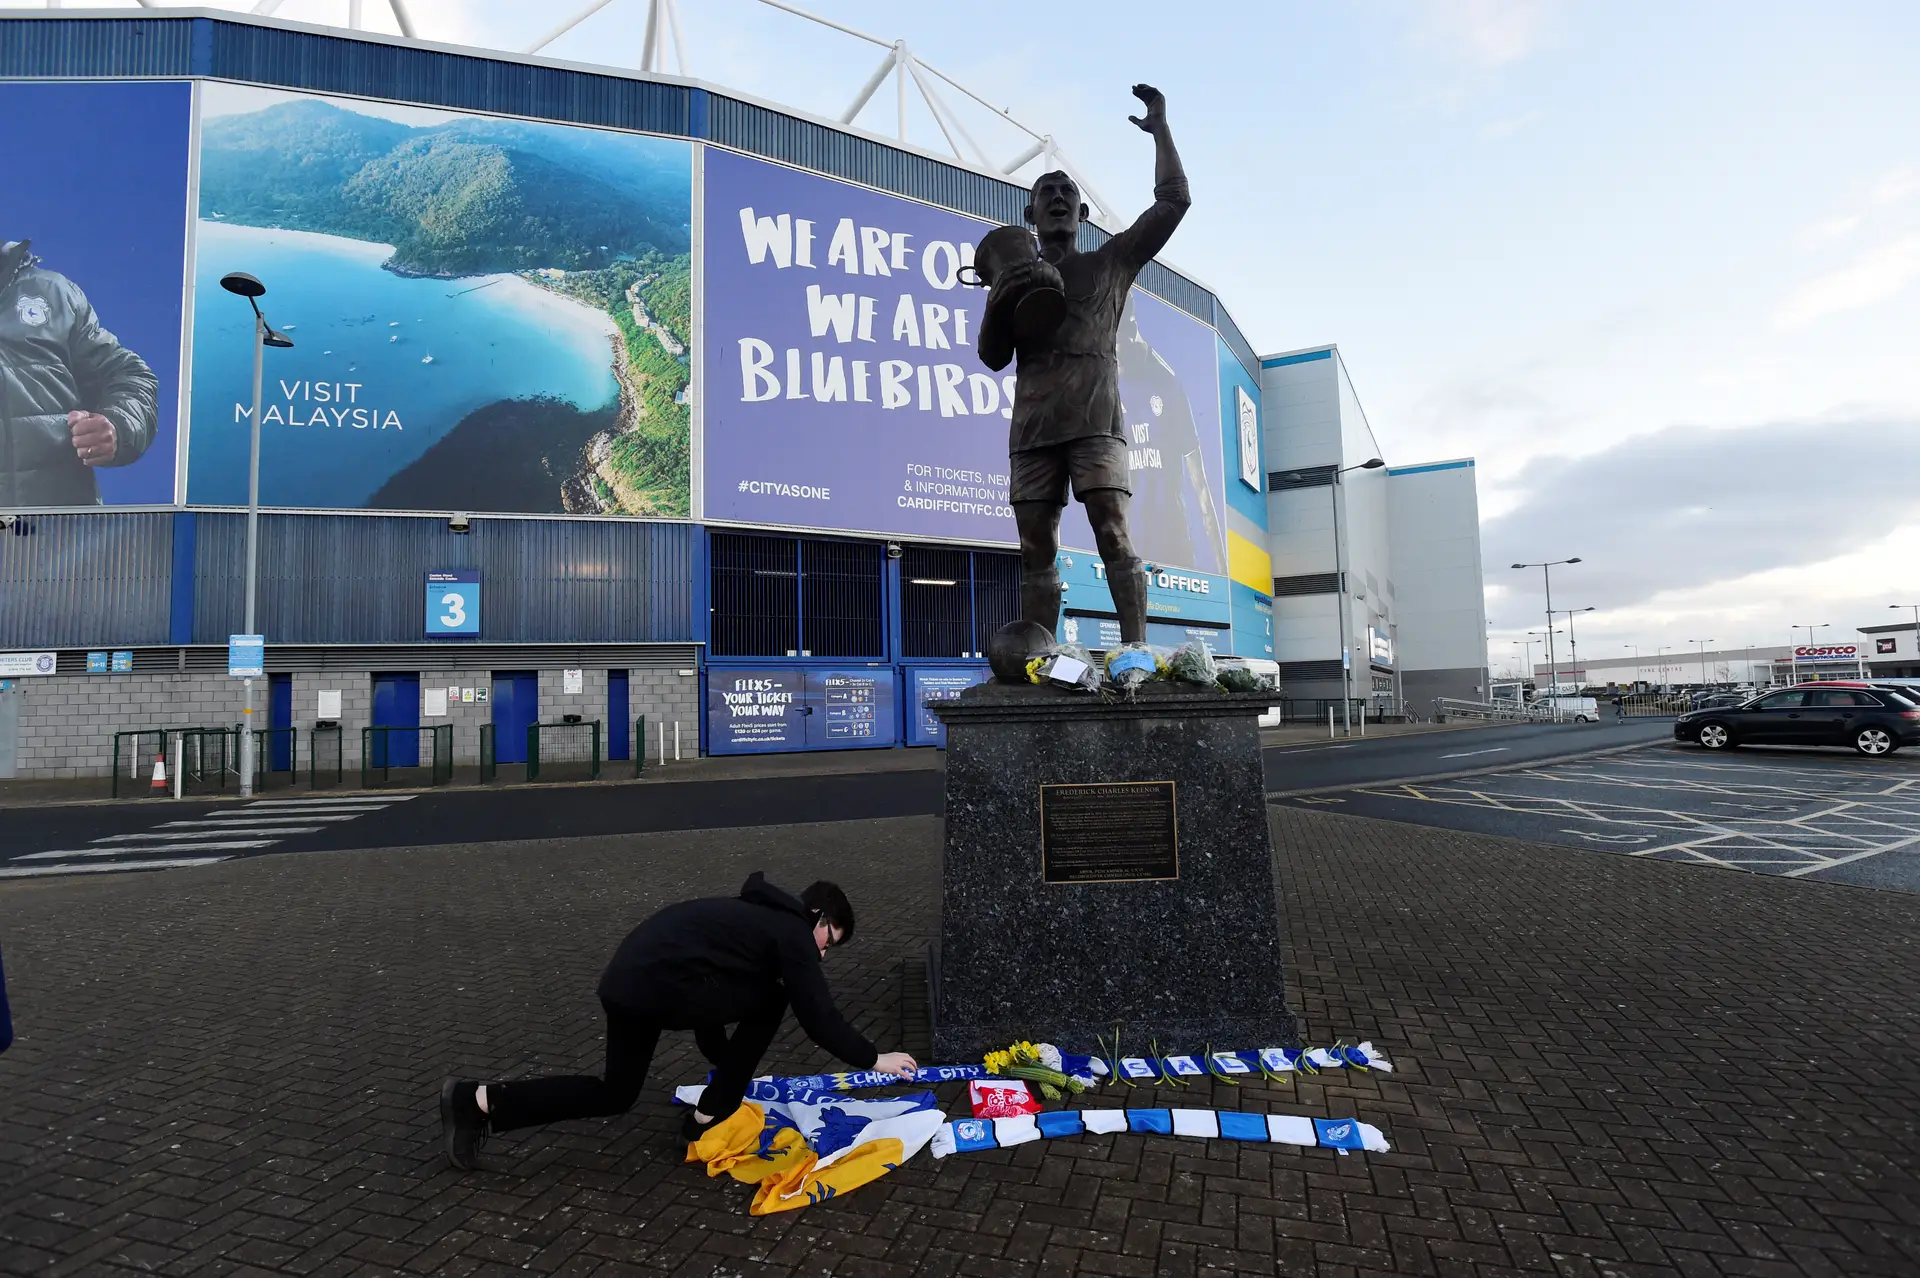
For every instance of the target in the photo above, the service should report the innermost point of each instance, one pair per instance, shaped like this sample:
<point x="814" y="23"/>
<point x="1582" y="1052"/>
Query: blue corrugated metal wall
<point x="97" y="47"/>
<point x="86" y="580"/>
<point x="325" y="579"/>
<point x="178" y="46"/>
<point x="824" y="150"/>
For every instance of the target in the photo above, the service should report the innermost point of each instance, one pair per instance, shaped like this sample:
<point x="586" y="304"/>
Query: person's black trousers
<point x="631" y="1038"/>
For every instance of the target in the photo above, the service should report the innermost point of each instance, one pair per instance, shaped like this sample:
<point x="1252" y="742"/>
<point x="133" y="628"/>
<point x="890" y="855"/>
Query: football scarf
<point x="966" y="1135"/>
<point x="812" y="1147"/>
<point x="1272" y="1063"/>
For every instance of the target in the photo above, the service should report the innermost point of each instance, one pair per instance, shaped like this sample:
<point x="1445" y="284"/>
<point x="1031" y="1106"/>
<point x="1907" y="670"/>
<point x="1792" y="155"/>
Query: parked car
<point x="1873" y="720"/>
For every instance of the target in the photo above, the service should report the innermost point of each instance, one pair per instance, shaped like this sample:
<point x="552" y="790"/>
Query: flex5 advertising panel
<point x="93" y="235"/>
<point x="842" y="389"/>
<point x="487" y="313"/>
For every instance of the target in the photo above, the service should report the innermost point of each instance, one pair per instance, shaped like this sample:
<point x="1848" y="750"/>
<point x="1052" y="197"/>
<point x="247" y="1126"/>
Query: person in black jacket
<point x="71" y="396"/>
<point x="701" y="966"/>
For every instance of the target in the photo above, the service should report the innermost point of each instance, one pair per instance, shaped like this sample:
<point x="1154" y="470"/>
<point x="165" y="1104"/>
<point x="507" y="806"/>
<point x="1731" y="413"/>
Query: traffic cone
<point x="159" y="785"/>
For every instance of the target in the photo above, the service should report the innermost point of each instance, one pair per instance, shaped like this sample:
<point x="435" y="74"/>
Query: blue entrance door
<point x="619" y="743"/>
<point x="396" y="704"/>
<point x="280" y="718"/>
<point x="516" y="703"/>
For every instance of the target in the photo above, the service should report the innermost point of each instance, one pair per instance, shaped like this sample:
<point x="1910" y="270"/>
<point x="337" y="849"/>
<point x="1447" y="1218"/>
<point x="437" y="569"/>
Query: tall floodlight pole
<point x="1553" y="666"/>
<point x="243" y="285"/>
<point x="1340" y="582"/>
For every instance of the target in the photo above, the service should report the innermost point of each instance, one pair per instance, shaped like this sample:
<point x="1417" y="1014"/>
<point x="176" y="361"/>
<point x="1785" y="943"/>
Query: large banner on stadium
<point x="487" y="314"/>
<point x="842" y="389"/>
<point x="93" y="241"/>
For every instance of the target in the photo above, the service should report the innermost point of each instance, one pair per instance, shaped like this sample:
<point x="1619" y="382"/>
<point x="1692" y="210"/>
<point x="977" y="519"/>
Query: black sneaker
<point x="691" y="1128"/>
<point x="463" y="1128"/>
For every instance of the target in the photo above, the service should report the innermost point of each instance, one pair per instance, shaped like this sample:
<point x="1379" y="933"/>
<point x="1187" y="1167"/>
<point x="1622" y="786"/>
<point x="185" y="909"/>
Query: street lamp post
<point x="1573" y="642"/>
<point x="1916" y="622"/>
<point x="1793" y="658"/>
<point x="241" y="284"/>
<point x="1340" y="583"/>
<point x="1636" y="660"/>
<point x="1546" y="578"/>
<point x="1703" y="656"/>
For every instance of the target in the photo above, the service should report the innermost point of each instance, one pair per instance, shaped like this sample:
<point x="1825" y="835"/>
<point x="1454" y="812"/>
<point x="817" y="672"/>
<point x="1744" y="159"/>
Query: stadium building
<point x="610" y="394"/>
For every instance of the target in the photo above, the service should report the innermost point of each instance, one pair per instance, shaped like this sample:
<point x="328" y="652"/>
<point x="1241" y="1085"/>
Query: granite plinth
<point x="1183" y="963"/>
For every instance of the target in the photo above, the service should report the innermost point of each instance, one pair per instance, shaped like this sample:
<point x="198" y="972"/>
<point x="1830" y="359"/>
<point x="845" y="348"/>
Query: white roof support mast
<point x="909" y="73"/>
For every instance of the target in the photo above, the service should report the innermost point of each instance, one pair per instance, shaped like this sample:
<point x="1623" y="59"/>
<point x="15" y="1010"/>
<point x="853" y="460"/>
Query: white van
<point x="1578" y="709"/>
<point x="1262" y="668"/>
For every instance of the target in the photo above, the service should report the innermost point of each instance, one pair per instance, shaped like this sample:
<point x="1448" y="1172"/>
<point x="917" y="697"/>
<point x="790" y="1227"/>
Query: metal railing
<point x="1492" y="711"/>
<point x="377" y="752"/>
<point x="132" y="745"/>
<point x="1654" y="705"/>
<point x="560" y="743"/>
<point x="319" y="742"/>
<point x="263" y="741"/>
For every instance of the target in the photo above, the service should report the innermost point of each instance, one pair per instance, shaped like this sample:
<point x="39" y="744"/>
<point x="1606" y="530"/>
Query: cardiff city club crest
<point x="33" y="310"/>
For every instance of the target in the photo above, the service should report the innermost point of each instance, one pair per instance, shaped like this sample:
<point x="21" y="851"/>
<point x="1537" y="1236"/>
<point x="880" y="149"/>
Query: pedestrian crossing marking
<point x="246" y="828"/>
<point x="42" y="871"/>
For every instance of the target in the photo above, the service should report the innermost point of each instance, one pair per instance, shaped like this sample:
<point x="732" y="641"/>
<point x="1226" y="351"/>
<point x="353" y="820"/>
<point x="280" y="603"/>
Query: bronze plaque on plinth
<point x="1108" y="832"/>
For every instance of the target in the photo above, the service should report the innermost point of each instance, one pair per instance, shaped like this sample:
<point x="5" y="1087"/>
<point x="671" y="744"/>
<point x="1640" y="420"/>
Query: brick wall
<point x="67" y="722"/>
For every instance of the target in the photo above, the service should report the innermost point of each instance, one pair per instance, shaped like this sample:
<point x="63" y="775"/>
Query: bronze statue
<point x="1066" y="407"/>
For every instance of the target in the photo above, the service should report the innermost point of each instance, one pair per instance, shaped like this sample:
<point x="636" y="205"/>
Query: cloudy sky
<point x="1656" y="266"/>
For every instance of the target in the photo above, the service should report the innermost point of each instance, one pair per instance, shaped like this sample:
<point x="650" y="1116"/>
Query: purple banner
<point x="842" y="390"/>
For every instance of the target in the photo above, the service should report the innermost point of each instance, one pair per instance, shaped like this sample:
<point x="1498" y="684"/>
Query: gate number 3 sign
<point x="453" y="603"/>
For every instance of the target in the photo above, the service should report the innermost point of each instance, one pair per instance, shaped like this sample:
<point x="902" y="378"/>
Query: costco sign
<point x="1828" y="652"/>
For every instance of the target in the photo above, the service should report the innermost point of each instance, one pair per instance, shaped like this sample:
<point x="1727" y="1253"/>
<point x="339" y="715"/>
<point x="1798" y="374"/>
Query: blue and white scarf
<point x="966" y="1135"/>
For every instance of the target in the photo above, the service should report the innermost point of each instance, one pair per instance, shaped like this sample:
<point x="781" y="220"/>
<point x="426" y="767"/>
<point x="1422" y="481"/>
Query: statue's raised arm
<point x="1150" y="232"/>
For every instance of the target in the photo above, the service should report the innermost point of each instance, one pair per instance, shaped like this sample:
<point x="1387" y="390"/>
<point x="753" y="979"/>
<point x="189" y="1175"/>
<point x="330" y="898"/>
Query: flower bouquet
<point x="1055" y="1072"/>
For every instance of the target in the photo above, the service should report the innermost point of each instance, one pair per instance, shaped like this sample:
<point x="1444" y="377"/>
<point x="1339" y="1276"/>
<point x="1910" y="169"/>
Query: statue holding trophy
<point x="1058" y="310"/>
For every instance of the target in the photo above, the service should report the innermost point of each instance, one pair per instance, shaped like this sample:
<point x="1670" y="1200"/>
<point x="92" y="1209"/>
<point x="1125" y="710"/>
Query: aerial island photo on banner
<point x="487" y="314"/>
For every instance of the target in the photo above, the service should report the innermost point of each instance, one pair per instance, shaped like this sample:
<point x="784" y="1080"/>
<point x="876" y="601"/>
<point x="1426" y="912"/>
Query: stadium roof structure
<point x="912" y="76"/>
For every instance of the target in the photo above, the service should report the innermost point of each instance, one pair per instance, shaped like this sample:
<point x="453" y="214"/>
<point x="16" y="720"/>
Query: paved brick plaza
<point x="1605" y="1067"/>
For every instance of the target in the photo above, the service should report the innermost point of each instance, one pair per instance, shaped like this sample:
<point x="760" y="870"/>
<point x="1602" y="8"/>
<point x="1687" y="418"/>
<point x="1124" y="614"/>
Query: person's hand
<point x="93" y="438"/>
<point x="1156" y="104"/>
<point x="899" y="1064"/>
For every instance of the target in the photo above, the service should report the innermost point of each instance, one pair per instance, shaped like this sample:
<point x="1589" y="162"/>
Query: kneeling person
<point x="701" y="966"/>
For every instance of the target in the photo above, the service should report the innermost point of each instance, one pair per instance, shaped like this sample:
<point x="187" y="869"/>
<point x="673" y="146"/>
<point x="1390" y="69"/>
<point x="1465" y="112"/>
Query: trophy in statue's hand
<point x="1023" y="289"/>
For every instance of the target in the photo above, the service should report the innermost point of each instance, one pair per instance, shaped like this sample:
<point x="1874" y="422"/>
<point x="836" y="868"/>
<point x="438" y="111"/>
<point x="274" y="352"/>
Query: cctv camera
<point x="460" y="523"/>
<point x="893" y="550"/>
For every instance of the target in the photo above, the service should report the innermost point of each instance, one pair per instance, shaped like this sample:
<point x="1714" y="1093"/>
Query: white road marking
<point x="315" y="803"/>
<point x="264" y="827"/>
<point x="42" y="871"/>
<point x="224" y="845"/>
<point x="221" y="832"/>
<point x="265" y="818"/>
<point x="350" y="809"/>
<point x="1468" y="754"/>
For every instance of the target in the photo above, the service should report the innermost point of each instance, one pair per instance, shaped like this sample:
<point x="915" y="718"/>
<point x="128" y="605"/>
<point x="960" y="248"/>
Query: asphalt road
<point x="1367" y="761"/>
<point x="100" y="838"/>
<point x="1826" y="815"/>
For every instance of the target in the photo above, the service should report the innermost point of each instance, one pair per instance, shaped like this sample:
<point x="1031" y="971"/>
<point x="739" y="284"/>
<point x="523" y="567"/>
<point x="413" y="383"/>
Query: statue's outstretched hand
<point x="1156" y="104"/>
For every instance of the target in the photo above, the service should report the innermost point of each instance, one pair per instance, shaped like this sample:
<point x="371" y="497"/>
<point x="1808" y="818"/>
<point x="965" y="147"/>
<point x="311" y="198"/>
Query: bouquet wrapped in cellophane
<point x="1054" y="1072"/>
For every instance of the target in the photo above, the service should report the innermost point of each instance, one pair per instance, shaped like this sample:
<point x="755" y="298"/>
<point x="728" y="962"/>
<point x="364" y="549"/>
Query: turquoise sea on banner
<point x="414" y="356"/>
